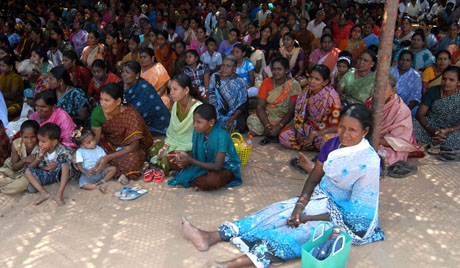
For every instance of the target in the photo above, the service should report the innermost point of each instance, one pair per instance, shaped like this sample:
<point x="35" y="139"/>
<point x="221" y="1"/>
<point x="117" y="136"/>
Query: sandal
<point x="126" y="189"/>
<point x="400" y="169"/>
<point x="433" y="149"/>
<point x="133" y="194"/>
<point x="449" y="157"/>
<point x="296" y="166"/>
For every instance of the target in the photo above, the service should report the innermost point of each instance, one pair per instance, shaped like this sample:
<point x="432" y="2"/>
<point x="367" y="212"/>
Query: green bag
<point x="338" y="257"/>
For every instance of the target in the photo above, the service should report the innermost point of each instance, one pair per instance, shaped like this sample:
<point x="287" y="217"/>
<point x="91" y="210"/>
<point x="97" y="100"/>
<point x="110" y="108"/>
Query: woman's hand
<point x="161" y="153"/>
<point x="275" y="131"/>
<point x="294" y="220"/>
<point x="100" y="164"/>
<point x="182" y="159"/>
<point x="300" y="138"/>
<point x="230" y="125"/>
<point x="311" y="137"/>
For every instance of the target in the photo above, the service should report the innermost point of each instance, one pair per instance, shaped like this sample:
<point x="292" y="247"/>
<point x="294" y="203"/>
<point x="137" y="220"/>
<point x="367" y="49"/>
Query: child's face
<point x="179" y="49"/>
<point x="237" y="53"/>
<point x="171" y="31"/>
<point x="200" y="124"/>
<point x="190" y="59"/>
<point x="46" y="143"/>
<point x="342" y="67"/>
<point x="88" y="143"/>
<point x="29" y="137"/>
<point x="53" y="49"/>
<point x="211" y="47"/>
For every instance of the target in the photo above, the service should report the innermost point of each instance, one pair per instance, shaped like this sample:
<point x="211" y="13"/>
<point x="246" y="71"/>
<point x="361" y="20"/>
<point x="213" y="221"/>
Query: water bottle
<point x="323" y="250"/>
<point x="249" y="142"/>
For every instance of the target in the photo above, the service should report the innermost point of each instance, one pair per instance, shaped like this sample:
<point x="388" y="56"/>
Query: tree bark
<point x="383" y="67"/>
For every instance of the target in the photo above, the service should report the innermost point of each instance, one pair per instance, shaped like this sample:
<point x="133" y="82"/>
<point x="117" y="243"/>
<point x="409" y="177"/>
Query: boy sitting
<point x="211" y="57"/>
<point x="53" y="163"/>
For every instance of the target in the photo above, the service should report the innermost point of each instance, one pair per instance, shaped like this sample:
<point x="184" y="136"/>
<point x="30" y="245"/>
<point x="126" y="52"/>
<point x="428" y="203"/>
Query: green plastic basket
<point x="338" y="257"/>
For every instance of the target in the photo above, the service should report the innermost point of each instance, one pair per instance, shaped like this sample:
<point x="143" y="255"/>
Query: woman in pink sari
<point x="327" y="54"/>
<point x="397" y="139"/>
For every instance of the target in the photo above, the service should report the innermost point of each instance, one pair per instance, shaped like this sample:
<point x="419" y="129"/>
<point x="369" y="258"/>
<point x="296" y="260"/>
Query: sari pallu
<point x="145" y="99"/>
<point x="121" y="131"/>
<point x="94" y="89"/>
<point x="97" y="53"/>
<point x="73" y="101"/>
<point x="429" y="76"/>
<point x="330" y="59"/>
<point x="313" y="113"/>
<point x="357" y="91"/>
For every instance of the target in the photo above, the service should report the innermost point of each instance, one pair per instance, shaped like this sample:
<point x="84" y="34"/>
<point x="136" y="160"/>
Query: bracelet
<point x="281" y="124"/>
<point x="298" y="203"/>
<point x="452" y="130"/>
<point x="267" y="125"/>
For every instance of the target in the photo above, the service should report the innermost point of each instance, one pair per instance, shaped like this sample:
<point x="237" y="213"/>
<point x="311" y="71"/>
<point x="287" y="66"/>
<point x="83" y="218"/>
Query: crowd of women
<point x="300" y="73"/>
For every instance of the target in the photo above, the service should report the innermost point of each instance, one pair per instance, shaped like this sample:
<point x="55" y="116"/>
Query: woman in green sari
<point x="180" y="130"/>
<point x="357" y="86"/>
<point x="275" y="103"/>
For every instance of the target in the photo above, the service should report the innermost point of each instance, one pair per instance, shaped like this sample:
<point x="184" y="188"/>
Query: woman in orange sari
<point x="353" y="44"/>
<point x="155" y="74"/>
<point x="165" y="54"/>
<point x="432" y="75"/>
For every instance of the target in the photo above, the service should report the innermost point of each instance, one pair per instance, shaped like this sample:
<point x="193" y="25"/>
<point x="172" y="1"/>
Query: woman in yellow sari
<point x="432" y="75"/>
<point x="11" y="85"/>
<point x="94" y="50"/>
<point x="275" y="103"/>
<point x="156" y="74"/>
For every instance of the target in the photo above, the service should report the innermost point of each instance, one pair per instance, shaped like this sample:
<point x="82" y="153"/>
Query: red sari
<point x="95" y="91"/>
<point x="83" y="77"/>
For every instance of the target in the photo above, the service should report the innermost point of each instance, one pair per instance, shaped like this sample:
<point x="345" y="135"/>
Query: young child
<point x="172" y="35"/>
<point x="344" y="64"/>
<point x="54" y="54"/>
<point x="197" y="71"/>
<point x="52" y="163"/>
<point x="211" y="57"/>
<point x="12" y="180"/>
<point x="214" y="161"/>
<point x="86" y="158"/>
<point x="245" y="68"/>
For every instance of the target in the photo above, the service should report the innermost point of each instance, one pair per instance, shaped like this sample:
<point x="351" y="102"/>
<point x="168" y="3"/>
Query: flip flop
<point x="449" y="157"/>
<point x="400" y="169"/>
<point x="126" y="189"/>
<point x="449" y="150"/>
<point x="133" y="194"/>
<point x="433" y="149"/>
<point x="294" y="164"/>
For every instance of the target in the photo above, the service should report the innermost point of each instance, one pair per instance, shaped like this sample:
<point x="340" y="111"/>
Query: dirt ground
<point x="419" y="215"/>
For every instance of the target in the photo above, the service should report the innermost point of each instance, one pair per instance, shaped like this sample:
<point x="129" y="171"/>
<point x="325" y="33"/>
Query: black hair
<point x="425" y="20"/>
<point x="354" y="27"/>
<point x="41" y="52"/>
<point x="362" y="114"/>
<point x="443" y="51"/>
<point x="38" y="31"/>
<point x="209" y="40"/>
<point x="245" y="48"/>
<point x="8" y="60"/>
<point x="30" y="124"/>
<point x="452" y="68"/>
<point x="324" y="36"/>
<point x="281" y="60"/>
<point x="52" y="43"/>
<point x="8" y="49"/>
<point x="194" y="53"/>
<point x="206" y="111"/>
<point x="50" y="130"/>
<point x="323" y="70"/>
<point x="164" y="34"/>
<point x="114" y="34"/>
<point x="114" y="90"/>
<point x="420" y="33"/>
<point x="148" y="51"/>
<point x="133" y="66"/>
<point x="184" y="81"/>
<point x="235" y="30"/>
<point x="99" y="64"/>
<point x="265" y="27"/>
<point x="59" y="31"/>
<point x="373" y="56"/>
<point x="60" y="73"/>
<point x="172" y="26"/>
<point x="78" y="136"/>
<point x="72" y="55"/>
<point x="96" y="34"/>
<point x="135" y="38"/>
<point x="48" y="96"/>
<point x="201" y="27"/>
<point x="408" y="52"/>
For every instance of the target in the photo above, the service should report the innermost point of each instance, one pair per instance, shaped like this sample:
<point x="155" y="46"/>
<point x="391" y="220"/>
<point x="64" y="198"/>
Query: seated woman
<point x="11" y="85"/>
<point x="48" y="112"/>
<point x="226" y="46"/>
<point x="142" y="96"/>
<point x="317" y="113"/>
<point x="422" y="56"/>
<point x="180" y="130"/>
<point x="326" y="54"/>
<point x="197" y="71"/>
<point x="40" y="57"/>
<point x="396" y="131"/>
<point x="295" y="56"/>
<point x="409" y="86"/>
<point x="134" y="50"/>
<point x="437" y="118"/>
<point x="101" y="76"/>
<point x="214" y="161"/>
<point x="245" y="68"/>
<point x="93" y="51"/>
<point x="227" y="93"/>
<point x="79" y="74"/>
<point x="165" y="54"/>
<point x="264" y="43"/>
<point x="347" y="199"/>
<point x="71" y="99"/>
<point x="116" y="50"/>
<point x="199" y="45"/>
<point x="275" y="102"/>
<point x="156" y="74"/>
<point x="357" y="86"/>
<point x="354" y="43"/>
<point x="121" y="132"/>
<point x="432" y="75"/>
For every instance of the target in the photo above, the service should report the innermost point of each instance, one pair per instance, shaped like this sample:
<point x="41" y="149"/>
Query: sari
<point x="206" y="151"/>
<point x="145" y="99"/>
<point x="157" y="76"/>
<point x="195" y="46"/>
<point x="327" y="58"/>
<point x="130" y="57"/>
<point x="166" y="56"/>
<point x="121" y="131"/>
<point x="422" y="59"/>
<point x="396" y="128"/>
<point x="78" y="40"/>
<point x="94" y="88"/>
<point x="4" y="144"/>
<point x="41" y="84"/>
<point x="64" y="121"/>
<point x="225" y="49"/>
<point x="89" y="55"/>
<point x="7" y="83"/>
<point x="355" y="49"/>
<point x="348" y="192"/>
<point x="313" y="113"/>
<point x="112" y="59"/>
<point x="429" y="76"/>
<point x="294" y="58"/>
<point x="73" y="101"/>
<point x="357" y="91"/>
<point x="409" y="86"/>
<point x="277" y="103"/>
<point x="82" y="75"/>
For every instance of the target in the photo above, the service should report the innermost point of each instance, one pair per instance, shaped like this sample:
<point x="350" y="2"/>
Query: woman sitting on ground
<point x="214" y="161"/>
<point x="156" y="74"/>
<point x="199" y="45"/>
<point x="354" y="43"/>
<point x="79" y="74"/>
<point x="317" y="113"/>
<point x="40" y="57"/>
<point x="116" y="50"/>
<point x="432" y="75"/>
<point x="93" y="51"/>
<point x="295" y="56"/>
<point x="348" y="199"/>
<point x="326" y="54"/>
<point x="11" y="86"/>
<point x="275" y="102"/>
<point x="165" y="54"/>
<point x="121" y="132"/>
<point x="228" y="94"/>
<point x="245" y="68"/>
<point x="226" y="46"/>
<point x="101" y="76"/>
<point x="437" y="118"/>
<point x="180" y="129"/>
<point x="422" y="56"/>
<point x="396" y="130"/>
<point x="142" y="96"/>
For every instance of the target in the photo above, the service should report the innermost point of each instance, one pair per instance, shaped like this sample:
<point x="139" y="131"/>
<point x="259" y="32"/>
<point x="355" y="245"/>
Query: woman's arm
<point x="424" y="87"/>
<point x="301" y="69"/>
<point x="421" y="112"/>
<point x="206" y="80"/>
<point x="261" y="112"/>
<point x="97" y="131"/>
<point x="285" y="120"/>
<point x="83" y="114"/>
<point x="183" y="159"/>
<point x="251" y="79"/>
<point x="12" y="94"/>
<point x="103" y="161"/>
<point x="258" y="66"/>
<point x="17" y="162"/>
<point x="161" y="91"/>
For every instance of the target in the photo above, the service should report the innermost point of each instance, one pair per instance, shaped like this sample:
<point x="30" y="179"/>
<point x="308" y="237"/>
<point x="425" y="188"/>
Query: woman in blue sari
<point x="143" y="96"/>
<point x="214" y="162"/>
<point x="342" y="189"/>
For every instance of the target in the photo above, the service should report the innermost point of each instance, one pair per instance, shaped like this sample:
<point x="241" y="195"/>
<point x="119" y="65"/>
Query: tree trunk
<point x="383" y="67"/>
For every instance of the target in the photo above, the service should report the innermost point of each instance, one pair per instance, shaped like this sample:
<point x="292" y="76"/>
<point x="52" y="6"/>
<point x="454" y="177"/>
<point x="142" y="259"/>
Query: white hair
<point x="26" y="67"/>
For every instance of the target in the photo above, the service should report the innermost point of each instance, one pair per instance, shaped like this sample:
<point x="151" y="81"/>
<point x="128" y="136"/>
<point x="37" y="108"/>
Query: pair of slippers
<point x="445" y="154"/>
<point x="449" y="156"/>
<point x="156" y="174"/>
<point x="129" y="194"/>
<point x="400" y="169"/>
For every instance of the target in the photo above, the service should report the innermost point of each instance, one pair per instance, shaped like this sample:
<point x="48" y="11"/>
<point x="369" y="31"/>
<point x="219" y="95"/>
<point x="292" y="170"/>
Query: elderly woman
<point x="94" y="50"/>
<point x="156" y="74"/>
<point x="227" y="92"/>
<point x="316" y="113"/>
<point x="122" y="132"/>
<point x="357" y="86"/>
<point x="275" y="102"/>
<point x="437" y="118"/>
<point x="422" y="56"/>
<point x="11" y="85"/>
<point x="409" y="86"/>
<point x="432" y="75"/>
<point x="79" y="74"/>
<point x="348" y="199"/>
<point x="327" y="54"/>
<point x="142" y="96"/>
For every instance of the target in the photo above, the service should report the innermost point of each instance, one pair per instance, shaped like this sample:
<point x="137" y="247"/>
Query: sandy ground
<point x="419" y="215"/>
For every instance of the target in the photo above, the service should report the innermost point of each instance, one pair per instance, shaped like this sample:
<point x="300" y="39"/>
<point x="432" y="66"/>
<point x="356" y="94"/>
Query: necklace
<point x="186" y="107"/>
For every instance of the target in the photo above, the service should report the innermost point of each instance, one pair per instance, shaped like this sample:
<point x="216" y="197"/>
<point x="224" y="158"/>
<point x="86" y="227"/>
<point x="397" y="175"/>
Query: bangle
<point x="281" y="124"/>
<point x="452" y="130"/>
<point x="298" y="203"/>
<point x="267" y="125"/>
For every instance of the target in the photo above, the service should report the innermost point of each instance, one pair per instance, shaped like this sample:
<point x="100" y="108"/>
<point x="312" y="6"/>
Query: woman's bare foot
<point x="216" y="264"/>
<point x="102" y="188"/>
<point x="59" y="200"/>
<point x="195" y="235"/>
<point x="42" y="198"/>
<point x="305" y="163"/>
